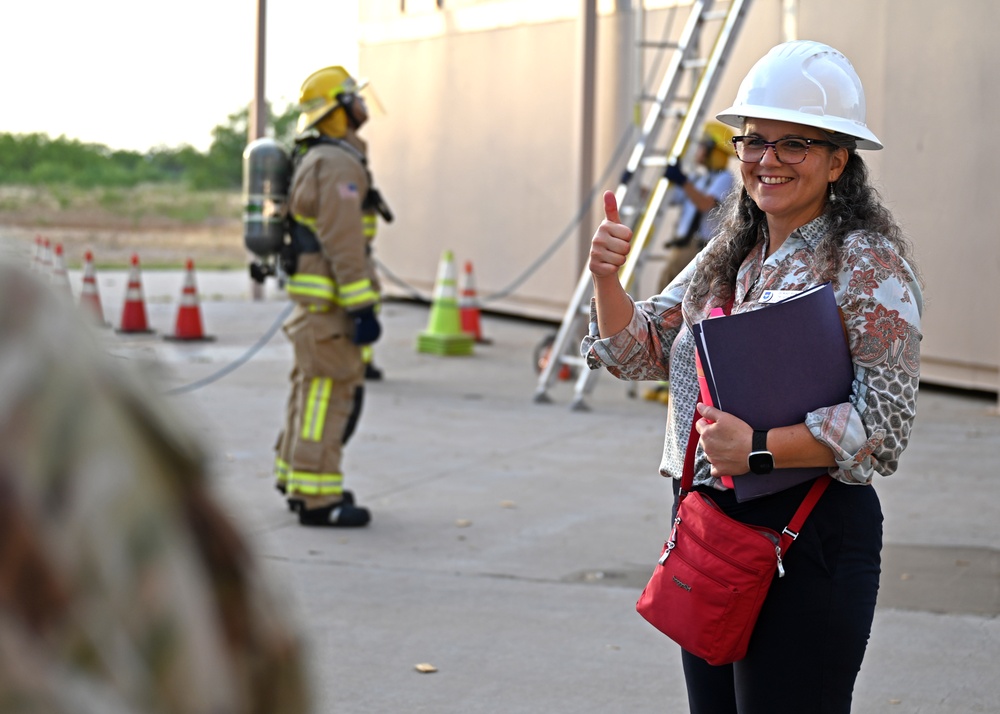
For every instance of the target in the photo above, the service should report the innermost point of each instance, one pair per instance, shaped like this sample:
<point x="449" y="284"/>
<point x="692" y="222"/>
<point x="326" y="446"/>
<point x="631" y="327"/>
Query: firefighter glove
<point x="366" y="326"/>
<point x="675" y="175"/>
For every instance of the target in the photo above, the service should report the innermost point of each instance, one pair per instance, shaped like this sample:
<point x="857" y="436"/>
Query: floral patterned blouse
<point x="881" y="301"/>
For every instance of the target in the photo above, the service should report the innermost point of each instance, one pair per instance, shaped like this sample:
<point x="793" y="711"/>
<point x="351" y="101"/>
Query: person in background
<point x="335" y="300"/>
<point x="805" y="213"/>
<point x="699" y="195"/>
<point x="123" y="585"/>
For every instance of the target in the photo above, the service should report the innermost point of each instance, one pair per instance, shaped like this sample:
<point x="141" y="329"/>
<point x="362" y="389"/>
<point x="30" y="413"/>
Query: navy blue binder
<point x="773" y="365"/>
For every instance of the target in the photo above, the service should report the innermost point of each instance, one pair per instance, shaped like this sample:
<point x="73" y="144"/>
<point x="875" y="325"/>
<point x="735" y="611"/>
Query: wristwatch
<point x="761" y="460"/>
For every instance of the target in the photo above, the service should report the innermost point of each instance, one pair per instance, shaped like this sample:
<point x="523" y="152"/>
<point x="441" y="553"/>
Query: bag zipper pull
<point x="671" y="542"/>
<point x="781" y="567"/>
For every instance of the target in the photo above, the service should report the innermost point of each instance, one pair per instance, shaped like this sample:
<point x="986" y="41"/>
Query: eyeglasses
<point x="750" y="149"/>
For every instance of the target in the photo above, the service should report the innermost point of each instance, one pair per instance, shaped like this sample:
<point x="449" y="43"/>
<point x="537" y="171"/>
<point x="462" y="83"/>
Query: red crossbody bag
<point x="714" y="573"/>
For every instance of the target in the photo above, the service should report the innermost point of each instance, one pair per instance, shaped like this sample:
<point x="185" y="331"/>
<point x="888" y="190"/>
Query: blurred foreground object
<point x="123" y="587"/>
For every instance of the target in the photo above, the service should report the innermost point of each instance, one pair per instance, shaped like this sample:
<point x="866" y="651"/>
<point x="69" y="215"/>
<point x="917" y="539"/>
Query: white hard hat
<point x="808" y="83"/>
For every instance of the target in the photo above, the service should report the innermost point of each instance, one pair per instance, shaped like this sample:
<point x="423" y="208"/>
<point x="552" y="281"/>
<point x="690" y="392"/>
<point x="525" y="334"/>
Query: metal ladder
<point x="687" y="86"/>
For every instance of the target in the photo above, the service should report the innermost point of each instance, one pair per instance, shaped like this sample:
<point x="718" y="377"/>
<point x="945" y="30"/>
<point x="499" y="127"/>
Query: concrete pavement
<point x="510" y="539"/>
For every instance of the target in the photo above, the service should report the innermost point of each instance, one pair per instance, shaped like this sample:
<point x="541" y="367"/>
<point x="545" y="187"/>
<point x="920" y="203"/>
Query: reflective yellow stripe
<point x="316" y="286"/>
<point x="313" y="484"/>
<point x="369" y="223"/>
<point x="357" y="293"/>
<point x="308" y="416"/>
<point x="309" y="223"/>
<point x="316" y="407"/>
<point x="281" y="470"/>
<point x="322" y="406"/>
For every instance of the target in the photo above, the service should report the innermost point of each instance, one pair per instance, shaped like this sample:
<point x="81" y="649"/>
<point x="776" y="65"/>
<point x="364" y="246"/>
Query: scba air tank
<point x="267" y="171"/>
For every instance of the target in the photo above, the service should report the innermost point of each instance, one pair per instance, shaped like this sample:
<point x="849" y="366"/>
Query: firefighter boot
<point x="338" y="515"/>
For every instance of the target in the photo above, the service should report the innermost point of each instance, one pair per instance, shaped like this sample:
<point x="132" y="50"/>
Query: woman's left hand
<point x="726" y="440"/>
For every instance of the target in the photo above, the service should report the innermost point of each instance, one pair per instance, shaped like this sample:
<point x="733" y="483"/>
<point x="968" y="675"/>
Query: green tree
<point x="36" y="160"/>
<point x="223" y="166"/>
<point x="284" y="125"/>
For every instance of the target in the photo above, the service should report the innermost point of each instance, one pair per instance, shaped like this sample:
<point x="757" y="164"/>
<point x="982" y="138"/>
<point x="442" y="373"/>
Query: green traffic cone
<point x="444" y="335"/>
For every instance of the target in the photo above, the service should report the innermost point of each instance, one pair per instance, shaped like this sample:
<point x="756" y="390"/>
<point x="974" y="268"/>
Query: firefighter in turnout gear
<point x="331" y="282"/>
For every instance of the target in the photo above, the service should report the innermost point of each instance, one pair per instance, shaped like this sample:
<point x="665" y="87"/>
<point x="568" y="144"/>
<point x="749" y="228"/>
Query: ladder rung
<point x="711" y="15"/>
<point x="573" y="361"/>
<point x="678" y="111"/>
<point x="695" y="63"/>
<point x="657" y="44"/>
<point x="654" y="161"/>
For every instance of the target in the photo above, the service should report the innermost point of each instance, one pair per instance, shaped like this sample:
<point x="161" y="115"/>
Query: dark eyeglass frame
<point x="737" y="140"/>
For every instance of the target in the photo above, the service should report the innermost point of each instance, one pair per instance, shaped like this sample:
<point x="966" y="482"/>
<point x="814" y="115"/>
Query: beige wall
<point x="479" y="151"/>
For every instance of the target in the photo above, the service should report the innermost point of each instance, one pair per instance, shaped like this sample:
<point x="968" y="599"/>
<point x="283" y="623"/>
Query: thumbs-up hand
<point x="611" y="243"/>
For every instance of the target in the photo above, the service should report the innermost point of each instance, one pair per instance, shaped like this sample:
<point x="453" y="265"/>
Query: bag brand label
<point x="681" y="584"/>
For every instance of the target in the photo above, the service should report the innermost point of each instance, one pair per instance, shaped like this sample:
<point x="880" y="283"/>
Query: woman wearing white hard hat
<point x="806" y="213"/>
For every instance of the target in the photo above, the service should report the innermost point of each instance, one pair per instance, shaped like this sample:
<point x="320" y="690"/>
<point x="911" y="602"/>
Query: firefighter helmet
<point x="804" y="82"/>
<point x="325" y="99"/>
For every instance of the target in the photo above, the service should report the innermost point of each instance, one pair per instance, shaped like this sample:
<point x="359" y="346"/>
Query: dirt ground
<point x="214" y="242"/>
<point x="209" y="246"/>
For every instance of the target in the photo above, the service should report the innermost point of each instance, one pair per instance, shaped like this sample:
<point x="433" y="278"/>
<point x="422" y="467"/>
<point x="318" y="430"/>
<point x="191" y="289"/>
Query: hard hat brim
<point x="735" y="115"/>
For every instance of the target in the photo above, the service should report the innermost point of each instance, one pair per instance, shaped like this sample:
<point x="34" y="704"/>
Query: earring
<point x="833" y="196"/>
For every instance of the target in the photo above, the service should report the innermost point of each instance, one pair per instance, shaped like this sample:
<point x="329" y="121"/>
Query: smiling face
<point x="790" y="195"/>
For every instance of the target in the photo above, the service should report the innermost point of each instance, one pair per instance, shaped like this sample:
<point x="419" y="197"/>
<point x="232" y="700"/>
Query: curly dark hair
<point x="858" y="208"/>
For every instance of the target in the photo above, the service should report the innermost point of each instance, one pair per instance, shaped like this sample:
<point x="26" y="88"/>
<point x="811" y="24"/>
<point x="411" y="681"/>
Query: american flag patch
<point x="348" y="190"/>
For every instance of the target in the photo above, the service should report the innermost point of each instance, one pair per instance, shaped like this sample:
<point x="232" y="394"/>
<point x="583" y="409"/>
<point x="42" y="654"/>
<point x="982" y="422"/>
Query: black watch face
<point x="761" y="462"/>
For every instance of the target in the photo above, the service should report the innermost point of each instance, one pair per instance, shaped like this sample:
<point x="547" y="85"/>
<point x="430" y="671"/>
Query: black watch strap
<point x="759" y="440"/>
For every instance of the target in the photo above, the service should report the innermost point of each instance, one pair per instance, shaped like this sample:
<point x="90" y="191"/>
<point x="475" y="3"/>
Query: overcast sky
<point x="135" y="74"/>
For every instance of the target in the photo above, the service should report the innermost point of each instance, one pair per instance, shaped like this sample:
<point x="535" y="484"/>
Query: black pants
<point x="810" y="639"/>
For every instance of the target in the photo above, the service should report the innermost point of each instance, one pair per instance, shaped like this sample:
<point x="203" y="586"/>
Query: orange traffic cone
<point x="444" y="335"/>
<point x="468" y="306"/>
<point x="134" y="312"/>
<point x="90" y="299"/>
<point x="189" y="326"/>
<point x="60" y="278"/>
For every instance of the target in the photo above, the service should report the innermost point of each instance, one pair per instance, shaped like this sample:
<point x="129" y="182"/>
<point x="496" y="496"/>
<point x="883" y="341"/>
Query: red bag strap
<point x="794" y="527"/>
<point x="687" y="475"/>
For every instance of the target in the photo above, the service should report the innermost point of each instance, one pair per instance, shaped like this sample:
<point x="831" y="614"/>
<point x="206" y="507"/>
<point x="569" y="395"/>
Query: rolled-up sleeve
<point x="640" y="351"/>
